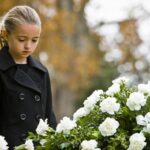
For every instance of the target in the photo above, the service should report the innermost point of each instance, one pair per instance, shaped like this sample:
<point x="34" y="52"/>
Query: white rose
<point x="90" y="102"/>
<point x="89" y="105"/>
<point x="42" y="127"/>
<point x="95" y="95"/>
<point x="144" y="88"/>
<point x="147" y="120"/>
<point x="115" y="88"/>
<point x="147" y="117"/>
<point x="120" y="79"/>
<point x="3" y="143"/>
<point x="144" y="121"/>
<point x="29" y="145"/>
<point x="137" y="142"/>
<point x="109" y="105"/>
<point x="108" y="127"/>
<point x="80" y="113"/>
<point x="89" y="145"/>
<point x="135" y="101"/>
<point x="43" y="141"/>
<point x="147" y="128"/>
<point x="65" y="125"/>
<point x="141" y="120"/>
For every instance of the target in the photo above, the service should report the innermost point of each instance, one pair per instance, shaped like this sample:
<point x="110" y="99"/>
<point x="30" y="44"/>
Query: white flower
<point x="89" y="105"/>
<point x="144" y="121"/>
<point x="113" y="89"/>
<point x="95" y="95"/>
<point x="137" y="142"/>
<point x="65" y="125"/>
<point x="120" y="79"/>
<point x="43" y="141"/>
<point x="135" y="101"/>
<point x="42" y="127"/>
<point x="29" y="145"/>
<point x="89" y="145"/>
<point x="144" y="88"/>
<point x="147" y="128"/>
<point x="92" y="100"/>
<point x="141" y="120"/>
<point x="108" y="127"/>
<point x="80" y="113"/>
<point x="147" y="117"/>
<point x="109" y="105"/>
<point x="3" y="143"/>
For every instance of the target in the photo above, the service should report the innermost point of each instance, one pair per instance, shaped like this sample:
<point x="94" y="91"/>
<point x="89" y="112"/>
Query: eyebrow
<point x="22" y="36"/>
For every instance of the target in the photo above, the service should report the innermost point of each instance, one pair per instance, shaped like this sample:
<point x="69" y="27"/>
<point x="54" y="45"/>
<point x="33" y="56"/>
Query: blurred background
<point x="85" y="44"/>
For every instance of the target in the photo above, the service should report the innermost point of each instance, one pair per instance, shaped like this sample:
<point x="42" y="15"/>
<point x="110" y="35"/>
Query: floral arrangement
<point x="117" y="119"/>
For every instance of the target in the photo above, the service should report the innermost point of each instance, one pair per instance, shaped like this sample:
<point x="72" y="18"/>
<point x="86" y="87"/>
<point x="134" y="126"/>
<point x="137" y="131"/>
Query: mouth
<point x="26" y="52"/>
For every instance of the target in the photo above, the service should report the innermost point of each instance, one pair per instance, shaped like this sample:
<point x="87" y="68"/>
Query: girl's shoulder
<point x="33" y="62"/>
<point x="6" y="60"/>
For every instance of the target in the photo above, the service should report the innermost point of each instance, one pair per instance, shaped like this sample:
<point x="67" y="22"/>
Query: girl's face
<point x="23" y="41"/>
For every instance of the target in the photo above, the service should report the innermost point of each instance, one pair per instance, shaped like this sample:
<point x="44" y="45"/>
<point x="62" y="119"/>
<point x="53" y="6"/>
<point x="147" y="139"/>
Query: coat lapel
<point x="25" y="80"/>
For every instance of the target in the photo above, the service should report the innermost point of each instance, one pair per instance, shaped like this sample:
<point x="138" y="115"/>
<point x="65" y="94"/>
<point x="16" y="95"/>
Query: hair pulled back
<point x="18" y="15"/>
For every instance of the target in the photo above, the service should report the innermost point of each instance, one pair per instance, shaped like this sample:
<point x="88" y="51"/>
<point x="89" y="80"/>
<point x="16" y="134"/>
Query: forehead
<point x="29" y="30"/>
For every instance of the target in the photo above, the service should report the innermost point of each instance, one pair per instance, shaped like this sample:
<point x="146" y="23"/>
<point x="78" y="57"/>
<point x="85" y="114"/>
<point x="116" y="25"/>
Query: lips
<point x="26" y="52"/>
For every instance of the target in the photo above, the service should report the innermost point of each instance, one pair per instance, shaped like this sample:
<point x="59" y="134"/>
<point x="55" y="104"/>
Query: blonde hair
<point x="18" y="15"/>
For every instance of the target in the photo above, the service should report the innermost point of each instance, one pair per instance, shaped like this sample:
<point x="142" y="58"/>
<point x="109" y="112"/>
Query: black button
<point x="38" y="116"/>
<point x="37" y="98"/>
<point x="23" y="116"/>
<point x="23" y="137"/>
<point x="21" y="96"/>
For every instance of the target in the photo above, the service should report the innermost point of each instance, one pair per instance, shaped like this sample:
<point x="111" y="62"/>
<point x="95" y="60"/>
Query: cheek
<point x="19" y="45"/>
<point x="13" y="45"/>
<point x="34" y="46"/>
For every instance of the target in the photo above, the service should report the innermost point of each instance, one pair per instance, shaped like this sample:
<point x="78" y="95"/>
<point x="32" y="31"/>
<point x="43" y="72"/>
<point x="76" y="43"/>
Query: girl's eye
<point x="34" y="41"/>
<point x="21" y="40"/>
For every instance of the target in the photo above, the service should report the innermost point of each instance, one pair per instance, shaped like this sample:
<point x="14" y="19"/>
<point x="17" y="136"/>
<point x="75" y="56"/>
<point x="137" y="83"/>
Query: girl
<point x="25" y="93"/>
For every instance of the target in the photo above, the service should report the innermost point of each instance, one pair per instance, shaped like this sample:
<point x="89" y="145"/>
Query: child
<point x="25" y="92"/>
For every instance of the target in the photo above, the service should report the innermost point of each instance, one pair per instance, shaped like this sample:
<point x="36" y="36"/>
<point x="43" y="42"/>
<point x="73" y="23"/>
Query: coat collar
<point x="8" y="62"/>
<point x="25" y="80"/>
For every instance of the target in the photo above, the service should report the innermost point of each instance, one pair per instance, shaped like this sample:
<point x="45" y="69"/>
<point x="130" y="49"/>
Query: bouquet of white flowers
<point x="118" y="119"/>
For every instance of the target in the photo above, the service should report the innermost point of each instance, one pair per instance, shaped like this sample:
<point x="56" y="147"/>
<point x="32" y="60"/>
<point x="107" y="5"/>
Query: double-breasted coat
<point x="24" y="98"/>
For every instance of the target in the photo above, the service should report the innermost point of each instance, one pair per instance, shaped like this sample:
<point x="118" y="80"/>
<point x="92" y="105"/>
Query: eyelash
<point x="21" y="40"/>
<point x="34" y="41"/>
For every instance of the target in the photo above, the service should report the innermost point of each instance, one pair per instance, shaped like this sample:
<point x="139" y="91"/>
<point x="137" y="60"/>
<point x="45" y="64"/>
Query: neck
<point x="20" y="61"/>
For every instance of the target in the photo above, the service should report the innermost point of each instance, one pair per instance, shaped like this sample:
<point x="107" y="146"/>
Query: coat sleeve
<point x="49" y="106"/>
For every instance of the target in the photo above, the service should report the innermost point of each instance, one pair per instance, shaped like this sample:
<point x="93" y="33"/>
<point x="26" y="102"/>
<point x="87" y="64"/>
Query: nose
<point x="27" y="45"/>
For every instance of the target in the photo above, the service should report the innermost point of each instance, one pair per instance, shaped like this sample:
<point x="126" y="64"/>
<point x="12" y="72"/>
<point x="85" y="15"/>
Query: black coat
<point x="24" y="98"/>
